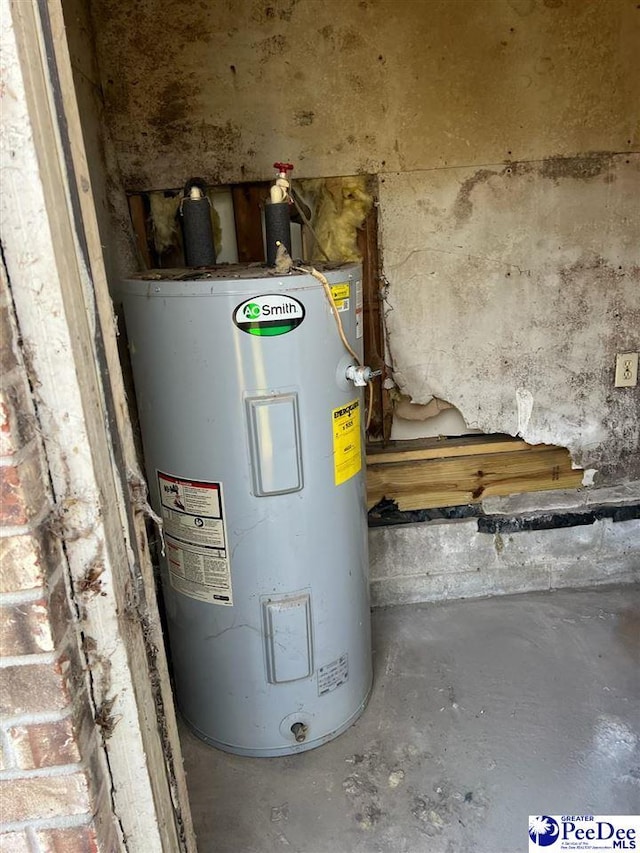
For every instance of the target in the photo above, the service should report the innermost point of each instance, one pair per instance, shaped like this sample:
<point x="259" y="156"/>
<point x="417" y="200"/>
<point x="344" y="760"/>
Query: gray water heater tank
<point x="253" y="443"/>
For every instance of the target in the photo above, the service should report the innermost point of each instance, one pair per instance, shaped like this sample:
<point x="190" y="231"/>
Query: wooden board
<point x="463" y="478"/>
<point x="442" y="447"/>
<point x="139" y="217"/>
<point x="374" y="345"/>
<point x="247" y="201"/>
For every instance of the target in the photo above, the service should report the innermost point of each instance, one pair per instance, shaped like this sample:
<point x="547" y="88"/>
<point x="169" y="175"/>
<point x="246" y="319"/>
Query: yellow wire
<point x="336" y="315"/>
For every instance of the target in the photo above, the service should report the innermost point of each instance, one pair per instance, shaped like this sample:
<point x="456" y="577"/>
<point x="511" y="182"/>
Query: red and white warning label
<point x="196" y="538"/>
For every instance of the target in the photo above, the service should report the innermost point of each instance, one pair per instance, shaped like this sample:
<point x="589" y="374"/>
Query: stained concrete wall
<point x="107" y="186"/>
<point x="225" y="88"/>
<point x="513" y="272"/>
<point x="451" y="559"/>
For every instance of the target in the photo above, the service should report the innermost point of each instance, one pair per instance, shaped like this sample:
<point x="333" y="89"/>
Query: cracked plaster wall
<point x="513" y="272"/>
<point x="511" y="289"/>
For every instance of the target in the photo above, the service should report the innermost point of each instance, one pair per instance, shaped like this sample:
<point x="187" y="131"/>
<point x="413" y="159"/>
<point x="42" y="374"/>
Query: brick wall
<point x="54" y="789"/>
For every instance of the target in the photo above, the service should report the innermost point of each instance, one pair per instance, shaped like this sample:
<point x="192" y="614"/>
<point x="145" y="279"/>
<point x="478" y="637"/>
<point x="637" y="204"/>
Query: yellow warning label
<point x="340" y="294"/>
<point x="347" y="453"/>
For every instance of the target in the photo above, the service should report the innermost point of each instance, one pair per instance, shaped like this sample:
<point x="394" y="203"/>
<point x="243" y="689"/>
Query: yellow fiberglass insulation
<point x="341" y="206"/>
<point x="165" y="222"/>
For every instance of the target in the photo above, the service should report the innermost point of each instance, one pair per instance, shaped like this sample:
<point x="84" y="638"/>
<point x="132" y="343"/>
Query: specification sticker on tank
<point x="359" y="326"/>
<point x="347" y="455"/>
<point x="196" y="539"/>
<point x="340" y="294"/>
<point x="333" y="674"/>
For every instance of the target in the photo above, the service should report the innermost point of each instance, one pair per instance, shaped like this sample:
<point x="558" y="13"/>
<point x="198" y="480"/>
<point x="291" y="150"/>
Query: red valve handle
<point x="283" y="167"/>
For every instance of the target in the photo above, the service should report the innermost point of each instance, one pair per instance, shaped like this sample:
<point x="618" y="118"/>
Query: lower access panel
<point x="287" y="623"/>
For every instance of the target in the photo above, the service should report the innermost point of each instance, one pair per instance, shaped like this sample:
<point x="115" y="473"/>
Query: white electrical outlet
<point x="626" y="369"/>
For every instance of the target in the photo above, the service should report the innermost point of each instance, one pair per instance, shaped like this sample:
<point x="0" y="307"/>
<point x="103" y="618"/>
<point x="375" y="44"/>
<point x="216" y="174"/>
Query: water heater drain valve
<point x="361" y="374"/>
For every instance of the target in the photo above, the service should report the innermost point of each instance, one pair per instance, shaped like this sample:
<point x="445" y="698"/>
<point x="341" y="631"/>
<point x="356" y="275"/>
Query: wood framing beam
<point x="139" y="217"/>
<point x="382" y="416"/>
<point x="452" y="472"/>
<point x="247" y="201"/>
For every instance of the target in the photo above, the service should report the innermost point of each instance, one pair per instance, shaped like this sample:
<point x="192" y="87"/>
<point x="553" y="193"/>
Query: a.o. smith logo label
<point x="269" y="315"/>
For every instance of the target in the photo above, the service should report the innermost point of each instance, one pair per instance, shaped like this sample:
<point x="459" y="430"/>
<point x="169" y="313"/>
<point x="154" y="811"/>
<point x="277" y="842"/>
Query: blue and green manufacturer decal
<point x="269" y="315"/>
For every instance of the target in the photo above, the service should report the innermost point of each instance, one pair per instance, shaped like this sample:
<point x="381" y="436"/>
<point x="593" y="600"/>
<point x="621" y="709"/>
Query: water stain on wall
<point x="172" y="112"/>
<point x="583" y="168"/>
<point x="270" y="47"/>
<point x="388" y="70"/>
<point x="277" y="10"/>
<point x="304" y="118"/>
<point x="463" y="207"/>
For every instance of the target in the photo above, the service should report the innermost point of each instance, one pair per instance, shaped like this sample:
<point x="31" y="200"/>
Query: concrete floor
<point x="482" y="713"/>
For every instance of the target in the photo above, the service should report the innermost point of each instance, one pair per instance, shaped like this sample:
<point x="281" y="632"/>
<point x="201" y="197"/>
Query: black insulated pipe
<point x="195" y="209"/>
<point x="277" y="223"/>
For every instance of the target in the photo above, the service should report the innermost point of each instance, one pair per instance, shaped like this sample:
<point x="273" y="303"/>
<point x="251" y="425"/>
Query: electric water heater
<point x="253" y="443"/>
